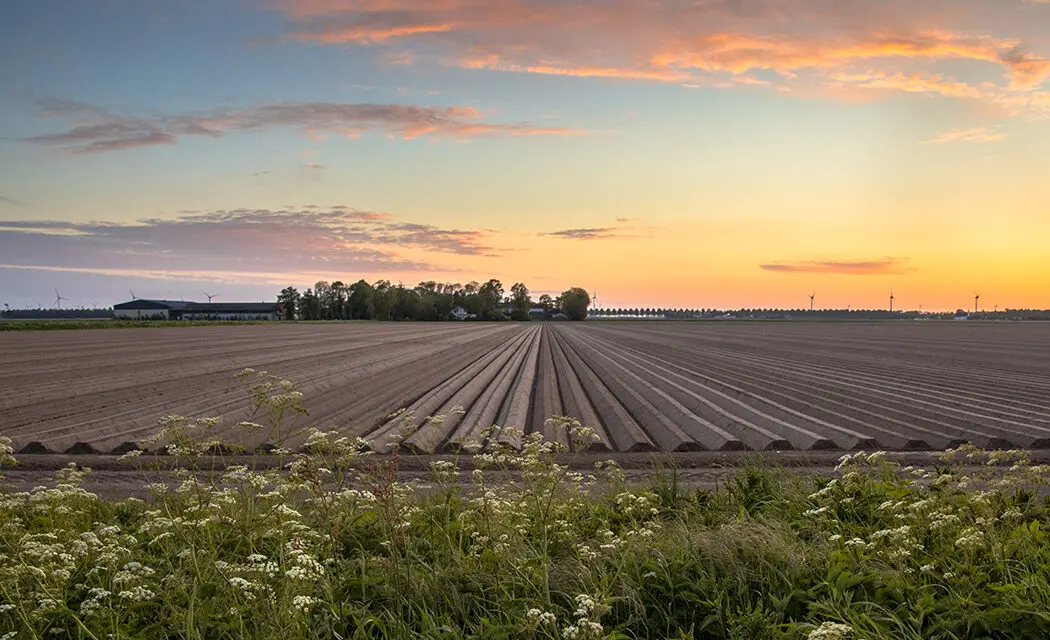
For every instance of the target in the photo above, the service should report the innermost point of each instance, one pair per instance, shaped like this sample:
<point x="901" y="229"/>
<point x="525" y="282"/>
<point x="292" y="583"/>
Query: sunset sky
<point x="671" y="153"/>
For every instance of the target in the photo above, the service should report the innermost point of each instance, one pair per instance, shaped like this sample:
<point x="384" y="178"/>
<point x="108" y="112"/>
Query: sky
<point x="659" y="153"/>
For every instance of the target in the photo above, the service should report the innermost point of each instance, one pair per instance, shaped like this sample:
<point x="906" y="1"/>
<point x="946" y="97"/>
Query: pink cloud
<point x="298" y="240"/>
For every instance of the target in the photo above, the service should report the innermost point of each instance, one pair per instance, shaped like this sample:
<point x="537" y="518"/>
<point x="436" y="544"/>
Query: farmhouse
<point x="179" y="310"/>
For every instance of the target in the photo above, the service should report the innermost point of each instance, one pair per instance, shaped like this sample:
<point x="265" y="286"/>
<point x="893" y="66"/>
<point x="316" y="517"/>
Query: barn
<point x="178" y="310"/>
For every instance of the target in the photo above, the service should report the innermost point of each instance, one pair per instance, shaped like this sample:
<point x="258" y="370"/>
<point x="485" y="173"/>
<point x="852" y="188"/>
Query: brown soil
<point x="703" y="389"/>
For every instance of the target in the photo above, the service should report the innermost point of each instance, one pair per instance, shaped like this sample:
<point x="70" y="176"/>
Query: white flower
<point x="830" y="631"/>
<point x="138" y="594"/>
<point x="302" y="604"/>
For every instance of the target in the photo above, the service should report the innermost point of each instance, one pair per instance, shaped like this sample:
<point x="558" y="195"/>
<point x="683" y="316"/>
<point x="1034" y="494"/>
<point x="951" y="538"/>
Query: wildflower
<point x="927" y="568"/>
<point x="971" y="539"/>
<point x="584" y="605"/>
<point x="302" y="604"/>
<point x="130" y="455"/>
<point x="138" y="594"/>
<point x="830" y="631"/>
<point x="540" y="617"/>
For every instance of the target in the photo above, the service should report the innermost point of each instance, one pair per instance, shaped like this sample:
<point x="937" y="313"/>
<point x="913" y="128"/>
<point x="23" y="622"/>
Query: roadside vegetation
<point x="513" y="543"/>
<point x="64" y="325"/>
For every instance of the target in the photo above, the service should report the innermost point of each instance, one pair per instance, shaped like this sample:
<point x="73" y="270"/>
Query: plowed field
<point x="644" y="386"/>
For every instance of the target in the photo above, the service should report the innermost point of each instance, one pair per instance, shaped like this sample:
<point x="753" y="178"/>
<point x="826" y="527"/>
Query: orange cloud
<point x="740" y="53"/>
<point x="713" y="43"/>
<point x="975" y="134"/>
<point x="370" y="35"/>
<point x="494" y="62"/>
<point x="914" y="83"/>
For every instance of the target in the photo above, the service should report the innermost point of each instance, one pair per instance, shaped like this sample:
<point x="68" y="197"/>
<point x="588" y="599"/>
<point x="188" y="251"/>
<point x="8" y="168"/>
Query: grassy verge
<point x="65" y="325"/>
<point x="510" y="543"/>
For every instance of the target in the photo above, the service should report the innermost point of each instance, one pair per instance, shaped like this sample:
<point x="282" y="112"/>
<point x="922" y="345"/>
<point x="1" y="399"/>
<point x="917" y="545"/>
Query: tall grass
<point x="506" y="543"/>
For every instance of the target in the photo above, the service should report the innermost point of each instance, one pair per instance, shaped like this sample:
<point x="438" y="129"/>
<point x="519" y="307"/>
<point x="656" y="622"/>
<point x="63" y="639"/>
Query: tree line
<point x="427" y="301"/>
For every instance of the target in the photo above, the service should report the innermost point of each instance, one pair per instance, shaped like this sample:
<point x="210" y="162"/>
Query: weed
<point x="511" y="542"/>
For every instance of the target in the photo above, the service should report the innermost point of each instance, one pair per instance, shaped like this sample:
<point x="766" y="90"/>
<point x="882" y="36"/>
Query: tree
<point x="574" y="303"/>
<point x="360" y="301"/>
<point x="546" y="302"/>
<point x="339" y="295"/>
<point x="288" y="300"/>
<point x="491" y="297"/>
<point x="309" y="307"/>
<point x="519" y="294"/>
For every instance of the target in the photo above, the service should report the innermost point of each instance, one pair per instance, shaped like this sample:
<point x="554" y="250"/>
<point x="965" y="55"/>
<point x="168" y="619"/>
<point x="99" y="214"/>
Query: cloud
<point x="625" y="228"/>
<point x="584" y="234"/>
<point x="92" y="129"/>
<point x="297" y="240"/>
<point x="315" y="165"/>
<point x="261" y="173"/>
<point x="913" y="83"/>
<point x="975" y="134"/>
<point x="842" y="267"/>
<point x="703" y="43"/>
<point x="12" y="201"/>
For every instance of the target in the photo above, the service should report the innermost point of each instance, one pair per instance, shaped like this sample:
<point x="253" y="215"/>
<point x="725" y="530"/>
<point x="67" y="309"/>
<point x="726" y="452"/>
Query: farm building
<point x="179" y="310"/>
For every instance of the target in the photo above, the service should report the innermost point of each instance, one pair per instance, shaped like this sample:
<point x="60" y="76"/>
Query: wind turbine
<point x="132" y="294"/>
<point x="59" y="299"/>
<point x="811" y="296"/>
<point x="891" y="300"/>
<point x="976" y="299"/>
<point x="209" y="295"/>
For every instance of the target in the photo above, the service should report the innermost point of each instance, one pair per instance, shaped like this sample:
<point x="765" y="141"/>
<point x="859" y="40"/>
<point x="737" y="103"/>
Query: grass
<point x="64" y="325"/>
<point x="514" y="544"/>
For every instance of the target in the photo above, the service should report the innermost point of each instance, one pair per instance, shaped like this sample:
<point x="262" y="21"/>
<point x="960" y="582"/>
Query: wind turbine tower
<point x="59" y="299"/>
<point x="976" y="300"/>
<point x="891" y="300"/>
<point x="209" y="295"/>
<point x="811" y="296"/>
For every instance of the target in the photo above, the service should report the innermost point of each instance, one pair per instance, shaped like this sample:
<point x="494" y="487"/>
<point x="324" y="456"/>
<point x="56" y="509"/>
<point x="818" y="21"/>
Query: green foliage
<point x="574" y="303"/>
<point x="510" y="541"/>
<point x="521" y="300"/>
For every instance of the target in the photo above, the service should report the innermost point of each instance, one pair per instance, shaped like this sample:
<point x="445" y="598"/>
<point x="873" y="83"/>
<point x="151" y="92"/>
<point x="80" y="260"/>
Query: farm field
<point x="643" y="386"/>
